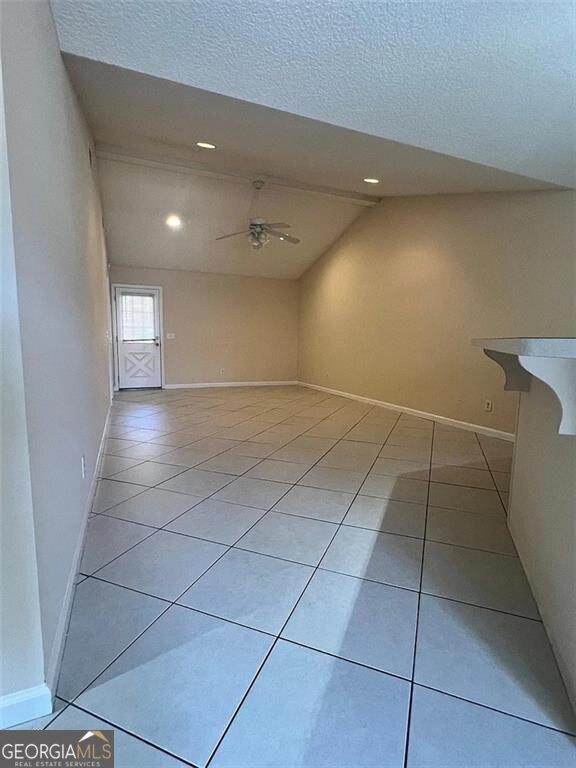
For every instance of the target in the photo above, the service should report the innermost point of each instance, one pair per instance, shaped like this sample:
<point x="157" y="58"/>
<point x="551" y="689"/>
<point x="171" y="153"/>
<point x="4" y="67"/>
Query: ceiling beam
<point x="183" y="165"/>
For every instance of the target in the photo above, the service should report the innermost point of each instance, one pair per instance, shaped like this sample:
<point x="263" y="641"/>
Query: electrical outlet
<point x="488" y="407"/>
<point x="83" y="465"/>
<point x="221" y="371"/>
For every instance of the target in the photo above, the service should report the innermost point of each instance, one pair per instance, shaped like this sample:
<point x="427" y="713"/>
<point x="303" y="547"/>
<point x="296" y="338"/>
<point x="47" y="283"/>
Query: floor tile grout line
<point x="495" y="515"/>
<point x="177" y="533"/>
<point x="228" y="621"/>
<point x="169" y="449"/>
<point x="172" y="603"/>
<point x="388" y="584"/>
<point x="153" y="532"/>
<point x="555" y="661"/>
<point x="282" y="422"/>
<point x="415" y="645"/>
<point x="124" y="730"/>
<point x="156" y="487"/>
<point x="111" y="456"/>
<point x="173" y="448"/>
<point x="165" y="528"/>
<point x="187" y="395"/>
<point x="213" y="434"/>
<point x="505" y="506"/>
<point x="498" y="711"/>
<point x="265" y="511"/>
<point x="470" y="548"/>
<point x="228" y="548"/>
<point x="130" y="644"/>
<point x="279" y="637"/>
<point x="231" y="546"/>
<point x="248" y="506"/>
<point x="130" y="589"/>
<point x="253" y="681"/>
<point x="123" y="519"/>
<point x="348" y="525"/>
<point x="145" y="488"/>
<point x="463" y="485"/>
<point x="238" y="709"/>
<point x="356" y="663"/>
<point x="233" y="478"/>
<point x="184" y="429"/>
<point x="294" y="484"/>
<point x="66" y="706"/>
<point x="241" y="441"/>
<point x="236" y="477"/>
<point x="149" y="525"/>
<point x="151" y="459"/>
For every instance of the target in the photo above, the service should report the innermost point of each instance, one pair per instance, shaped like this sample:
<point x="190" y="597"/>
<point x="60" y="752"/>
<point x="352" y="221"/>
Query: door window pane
<point x="137" y="317"/>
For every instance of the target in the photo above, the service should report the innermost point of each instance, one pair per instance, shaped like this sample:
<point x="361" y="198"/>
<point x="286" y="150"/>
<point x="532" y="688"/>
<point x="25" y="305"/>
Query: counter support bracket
<point x="552" y="360"/>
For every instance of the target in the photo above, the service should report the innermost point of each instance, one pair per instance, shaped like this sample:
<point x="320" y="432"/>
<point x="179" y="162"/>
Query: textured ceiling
<point x="138" y="196"/>
<point x="157" y="117"/>
<point x="489" y="81"/>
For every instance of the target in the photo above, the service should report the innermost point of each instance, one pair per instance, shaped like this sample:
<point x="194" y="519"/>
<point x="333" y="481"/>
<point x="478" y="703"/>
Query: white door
<point x="138" y="351"/>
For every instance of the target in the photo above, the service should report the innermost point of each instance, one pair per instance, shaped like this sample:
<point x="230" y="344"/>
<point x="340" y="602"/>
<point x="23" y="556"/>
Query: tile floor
<point x="280" y="577"/>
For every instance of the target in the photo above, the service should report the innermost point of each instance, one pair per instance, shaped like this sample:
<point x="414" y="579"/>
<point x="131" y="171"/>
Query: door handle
<point x="157" y="341"/>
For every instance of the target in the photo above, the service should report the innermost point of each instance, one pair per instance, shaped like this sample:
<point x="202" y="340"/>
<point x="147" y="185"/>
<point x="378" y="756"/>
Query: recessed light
<point x="205" y="145"/>
<point x="372" y="181"/>
<point x="173" y="221"/>
<point x="281" y="238"/>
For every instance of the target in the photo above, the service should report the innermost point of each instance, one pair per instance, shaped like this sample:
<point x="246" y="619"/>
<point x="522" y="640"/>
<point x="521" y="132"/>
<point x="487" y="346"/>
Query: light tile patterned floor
<point x="333" y="586"/>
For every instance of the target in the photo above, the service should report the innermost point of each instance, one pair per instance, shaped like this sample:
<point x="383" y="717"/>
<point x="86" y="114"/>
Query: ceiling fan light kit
<point x="261" y="231"/>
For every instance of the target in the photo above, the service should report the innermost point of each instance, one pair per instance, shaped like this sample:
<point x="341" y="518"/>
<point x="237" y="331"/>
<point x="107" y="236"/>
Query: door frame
<point x="115" y="360"/>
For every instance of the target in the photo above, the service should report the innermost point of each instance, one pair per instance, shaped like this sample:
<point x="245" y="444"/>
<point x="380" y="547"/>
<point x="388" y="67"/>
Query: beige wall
<point x="542" y="521"/>
<point x="21" y="656"/>
<point x="246" y="325"/>
<point x="62" y="295"/>
<point x="389" y="311"/>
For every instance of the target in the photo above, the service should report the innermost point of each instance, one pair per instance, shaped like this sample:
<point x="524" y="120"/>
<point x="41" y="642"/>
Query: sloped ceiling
<point x="159" y="117"/>
<point x="492" y="82"/>
<point x="137" y="197"/>
<point x="146" y="130"/>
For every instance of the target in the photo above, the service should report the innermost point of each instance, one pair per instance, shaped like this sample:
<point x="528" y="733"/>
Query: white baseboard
<point x="55" y="660"/>
<point x="489" y="431"/>
<point x="21" y="706"/>
<point x="232" y="384"/>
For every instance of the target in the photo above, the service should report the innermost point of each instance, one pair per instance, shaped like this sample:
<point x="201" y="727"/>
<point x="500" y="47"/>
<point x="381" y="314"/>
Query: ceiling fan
<point x="260" y="231"/>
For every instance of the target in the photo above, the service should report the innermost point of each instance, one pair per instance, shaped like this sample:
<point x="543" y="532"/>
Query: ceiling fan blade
<point x="283" y="236"/>
<point x="233" y="234"/>
<point x="278" y="225"/>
